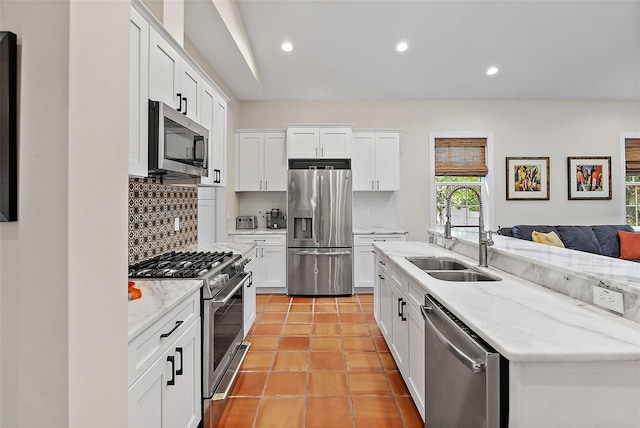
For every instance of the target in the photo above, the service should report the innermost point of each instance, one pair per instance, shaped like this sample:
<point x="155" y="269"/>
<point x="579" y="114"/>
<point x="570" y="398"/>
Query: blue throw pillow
<point x="607" y="236"/>
<point x="523" y="231"/>
<point x="580" y="238"/>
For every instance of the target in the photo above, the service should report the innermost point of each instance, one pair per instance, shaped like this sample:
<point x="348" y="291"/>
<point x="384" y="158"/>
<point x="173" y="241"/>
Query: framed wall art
<point x="8" y="127"/>
<point x="527" y="179"/>
<point x="589" y="177"/>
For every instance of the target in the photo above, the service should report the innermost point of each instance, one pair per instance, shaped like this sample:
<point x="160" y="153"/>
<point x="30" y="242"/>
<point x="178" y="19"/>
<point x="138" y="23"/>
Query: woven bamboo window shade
<point x="461" y="156"/>
<point x="632" y="156"/>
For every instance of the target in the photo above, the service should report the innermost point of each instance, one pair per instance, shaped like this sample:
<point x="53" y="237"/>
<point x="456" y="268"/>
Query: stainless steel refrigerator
<point x="319" y="232"/>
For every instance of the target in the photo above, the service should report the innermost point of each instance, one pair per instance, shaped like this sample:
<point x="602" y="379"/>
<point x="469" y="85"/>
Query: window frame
<point x="622" y="187"/>
<point x="486" y="183"/>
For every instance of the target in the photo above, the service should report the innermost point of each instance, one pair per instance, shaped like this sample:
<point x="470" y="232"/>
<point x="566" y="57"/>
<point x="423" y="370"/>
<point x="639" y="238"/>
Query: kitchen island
<point x="571" y="364"/>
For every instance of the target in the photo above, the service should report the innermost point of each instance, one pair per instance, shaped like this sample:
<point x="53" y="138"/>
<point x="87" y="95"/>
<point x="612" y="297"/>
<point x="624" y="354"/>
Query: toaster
<point x="246" y="222"/>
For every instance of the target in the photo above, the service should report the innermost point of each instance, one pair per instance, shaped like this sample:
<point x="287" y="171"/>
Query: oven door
<point x="222" y="332"/>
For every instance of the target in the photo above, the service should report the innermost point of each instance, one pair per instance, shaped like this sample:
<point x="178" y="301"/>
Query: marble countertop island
<point x="522" y="320"/>
<point x="158" y="297"/>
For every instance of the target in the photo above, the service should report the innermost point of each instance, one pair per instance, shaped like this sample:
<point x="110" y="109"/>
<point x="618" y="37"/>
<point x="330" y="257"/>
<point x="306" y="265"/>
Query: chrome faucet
<point x="485" y="237"/>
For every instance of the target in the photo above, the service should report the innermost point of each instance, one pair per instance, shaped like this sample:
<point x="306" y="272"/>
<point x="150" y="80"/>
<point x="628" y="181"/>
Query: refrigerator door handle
<point x="318" y="253"/>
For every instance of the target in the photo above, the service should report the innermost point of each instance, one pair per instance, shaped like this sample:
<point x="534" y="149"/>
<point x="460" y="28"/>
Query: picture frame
<point x="589" y="177"/>
<point x="8" y="127"/>
<point x="527" y="178"/>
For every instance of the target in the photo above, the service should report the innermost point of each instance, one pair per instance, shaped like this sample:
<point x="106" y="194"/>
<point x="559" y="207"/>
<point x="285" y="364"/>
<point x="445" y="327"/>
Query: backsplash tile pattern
<point x="153" y="206"/>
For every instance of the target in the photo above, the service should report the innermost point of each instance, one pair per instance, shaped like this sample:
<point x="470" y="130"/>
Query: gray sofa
<point x="600" y="239"/>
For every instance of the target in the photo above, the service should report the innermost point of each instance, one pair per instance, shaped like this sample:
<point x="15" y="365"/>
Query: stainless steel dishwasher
<point x="464" y="383"/>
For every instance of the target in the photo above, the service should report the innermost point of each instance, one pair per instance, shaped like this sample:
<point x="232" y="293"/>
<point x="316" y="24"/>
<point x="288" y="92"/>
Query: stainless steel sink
<point x="436" y="263"/>
<point x="462" y="276"/>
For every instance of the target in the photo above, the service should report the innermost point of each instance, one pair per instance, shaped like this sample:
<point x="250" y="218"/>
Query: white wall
<point x="371" y="209"/>
<point x="520" y="128"/>
<point x="63" y="263"/>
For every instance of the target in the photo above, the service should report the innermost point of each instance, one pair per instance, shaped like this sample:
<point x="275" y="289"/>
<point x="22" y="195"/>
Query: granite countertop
<point x="260" y="230"/>
<point x="158" y="297"/>
<point x="378" y="231"/>
<point x="522" y="320"/>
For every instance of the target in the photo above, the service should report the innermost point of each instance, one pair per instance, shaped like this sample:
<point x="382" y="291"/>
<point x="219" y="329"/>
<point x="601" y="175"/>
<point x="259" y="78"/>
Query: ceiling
<point x="345" y="49"/>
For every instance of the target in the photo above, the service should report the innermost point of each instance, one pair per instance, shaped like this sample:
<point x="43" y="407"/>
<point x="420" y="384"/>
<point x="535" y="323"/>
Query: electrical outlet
<point x="176" y="224"/>
<point x="608" y="299"/>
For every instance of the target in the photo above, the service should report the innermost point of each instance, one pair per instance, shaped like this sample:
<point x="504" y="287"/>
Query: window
<point x="460" y="160"/>
<point x="632" y="180"/>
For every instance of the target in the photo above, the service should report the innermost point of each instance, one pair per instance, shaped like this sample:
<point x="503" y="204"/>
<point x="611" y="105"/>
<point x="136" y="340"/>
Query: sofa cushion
<point x="581" y="238"/>
<point x="629" y="245"/>
<point x="607" y="236"/>
<point x="523" y="231"/>
<point x="550" y="238"/>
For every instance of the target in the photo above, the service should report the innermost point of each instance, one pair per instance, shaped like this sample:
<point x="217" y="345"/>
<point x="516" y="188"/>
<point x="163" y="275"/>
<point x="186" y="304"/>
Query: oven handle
<point x="471" y="363"/>
<point x="225" y="299"/>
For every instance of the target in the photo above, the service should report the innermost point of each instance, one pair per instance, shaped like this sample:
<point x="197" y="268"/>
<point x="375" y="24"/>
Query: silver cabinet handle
<point x="472" y="364"/>
<point x="260" y="184"/>
<point x="378" y="184"/>
<point x="322" y="152"/>
<point x="266" y="184"/>
<point x="262" y="252"/>
<point x="316" y="155"/>
<point x="372" y="185"/>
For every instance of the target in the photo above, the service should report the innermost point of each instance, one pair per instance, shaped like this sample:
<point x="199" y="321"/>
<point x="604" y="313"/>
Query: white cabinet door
<point x="138" y="94"/>
<point x="190" y="91"/>
<point x="335" y="143"/>
<point x="387" y="161"/>
<point x="400" y="332"/>
<point x="303" y="143"/>
<point x="181" y="402"/>
<point x="145" y="397"/>
<point x="249" y="298"/>
<point x="363" y="266"/>
<point x="275" y="161"/>
<point x="416" y="382"/>
<point x="164" y="71"/>
<point x="273" y="266"/>
<point x="219" y="141"/>
<point x="249" y="171"/>
<point x="206" y="120"/>
<point x="387" y="309"/>
<point x="363" y="160"/>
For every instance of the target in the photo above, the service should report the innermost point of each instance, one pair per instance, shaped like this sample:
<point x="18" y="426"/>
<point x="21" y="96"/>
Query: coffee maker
<point x="276" y="219"/>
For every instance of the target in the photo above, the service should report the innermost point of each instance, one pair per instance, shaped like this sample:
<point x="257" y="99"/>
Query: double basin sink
<point x="449" y="269"/>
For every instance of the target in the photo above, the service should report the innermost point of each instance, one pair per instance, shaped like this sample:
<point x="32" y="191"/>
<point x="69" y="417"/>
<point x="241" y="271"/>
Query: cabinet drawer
<point x="260" y="239"/>
<point x="401" y="280"/>
<point x="370" y="239"/>
<point x="147" y="347"/>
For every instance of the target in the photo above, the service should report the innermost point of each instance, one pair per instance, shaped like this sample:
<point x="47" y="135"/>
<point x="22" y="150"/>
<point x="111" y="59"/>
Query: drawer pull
<point x="172" y="381"/>
<point x="179" y="371"/>
<point x="175" y="327"/>
<point x="381" y="277"/>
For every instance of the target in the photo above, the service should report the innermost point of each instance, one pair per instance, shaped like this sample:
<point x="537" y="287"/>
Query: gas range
<point x="217" y="269"/>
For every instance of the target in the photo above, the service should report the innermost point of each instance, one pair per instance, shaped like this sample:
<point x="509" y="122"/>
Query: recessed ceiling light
<point x="287" y="47"/>
<point x="402" y="46"/>
<point x="491" y="71"/>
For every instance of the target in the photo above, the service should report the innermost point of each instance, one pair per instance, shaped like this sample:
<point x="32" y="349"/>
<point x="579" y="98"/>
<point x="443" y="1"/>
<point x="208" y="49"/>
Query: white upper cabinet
<point x="328" y="143"/>
<point x="214" y="118"/>
<point x="261" y="161"/>
<point x="376" y="161"/>
<point x="171" y="79"/>
<point x="138" y="94"/>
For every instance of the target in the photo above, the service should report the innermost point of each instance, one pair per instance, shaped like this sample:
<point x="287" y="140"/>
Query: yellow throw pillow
<point x="547" y="238"/>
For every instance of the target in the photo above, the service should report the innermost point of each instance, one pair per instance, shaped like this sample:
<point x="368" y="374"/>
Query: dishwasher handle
<point x="473" y="364"/>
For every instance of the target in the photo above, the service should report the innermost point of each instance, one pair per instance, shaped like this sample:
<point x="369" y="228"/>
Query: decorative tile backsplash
<point x="153" y="207"/>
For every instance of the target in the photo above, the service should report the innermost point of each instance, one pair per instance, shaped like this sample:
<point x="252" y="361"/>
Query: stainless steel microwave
<point x="178" y="146"/>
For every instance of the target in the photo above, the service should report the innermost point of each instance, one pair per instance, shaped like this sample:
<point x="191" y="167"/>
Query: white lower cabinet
<point x="402" y="326"/>
<point x="416" y="383"/>
<point x="168" y="394"/>
<point x="270" y="255"/>
<point x="364" y="259"/>
<point x="249" y="297"/>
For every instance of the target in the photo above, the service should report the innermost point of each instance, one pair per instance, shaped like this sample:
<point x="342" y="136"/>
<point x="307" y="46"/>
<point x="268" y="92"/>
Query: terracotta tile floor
<point x="318" y="363"/>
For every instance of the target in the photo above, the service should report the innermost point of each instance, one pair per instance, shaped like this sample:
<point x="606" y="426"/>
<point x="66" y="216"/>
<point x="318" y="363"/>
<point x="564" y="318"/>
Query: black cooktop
<point x="190" y="264"/>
